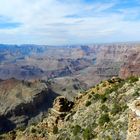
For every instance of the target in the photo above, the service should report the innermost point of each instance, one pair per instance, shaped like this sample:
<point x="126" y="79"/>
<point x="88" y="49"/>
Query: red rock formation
<point x="132" y="66"/>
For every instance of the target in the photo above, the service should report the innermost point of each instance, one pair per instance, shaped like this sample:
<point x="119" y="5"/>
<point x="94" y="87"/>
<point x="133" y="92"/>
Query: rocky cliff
<point x="132" y="65"/>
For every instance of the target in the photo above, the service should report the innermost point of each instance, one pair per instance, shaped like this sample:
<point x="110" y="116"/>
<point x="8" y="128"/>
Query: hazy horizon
<point x="81" y="44"/>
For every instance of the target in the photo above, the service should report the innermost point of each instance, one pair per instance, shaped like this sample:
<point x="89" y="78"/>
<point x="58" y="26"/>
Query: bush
<point x="115" y="87"/>
<point x="87" y="134"/>
<point x="55" y="129"/>
<point x="116" y="109"/>
<point x="88" y="103"/>
<point x="22" y="128"/>
<point x="103" y="98"/>
<point x="104" y="119"/>
<point x="33" y="130"/>
<point x="123" y="108"/>
<point x="132" y="79"/>
<point x="76" y="130"/>
<point x="108" y="91"/>
<point x="89" y="96"/>
<point x="97" y="88"/>
<point x="96" y="97"/>
<point x="94" y="125"/>
<point x="137" y="93"/>
<point x="110" y="81"/>
<point x="77" y="138"/>
<point x="104" y="108"/>
<point x="104" y="84"/>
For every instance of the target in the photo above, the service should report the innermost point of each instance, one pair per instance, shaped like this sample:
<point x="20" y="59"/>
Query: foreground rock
<point x="134" y="121"/>
<point x="46" y="129"/>
<point x="110" y="110"/>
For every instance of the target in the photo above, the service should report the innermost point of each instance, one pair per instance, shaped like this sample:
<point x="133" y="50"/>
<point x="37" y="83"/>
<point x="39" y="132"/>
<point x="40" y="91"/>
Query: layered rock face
<point x="61" y="108"/>
<point x="112" y="58"/>
<point x="132" y="65"/>
<point x="22" y="103"/>
<point x="43" y="62"/>
<point x="61" y="104"/>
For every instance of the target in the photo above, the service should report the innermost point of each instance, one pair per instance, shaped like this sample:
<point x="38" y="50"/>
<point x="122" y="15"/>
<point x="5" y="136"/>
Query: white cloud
<point x="46" y="22"/>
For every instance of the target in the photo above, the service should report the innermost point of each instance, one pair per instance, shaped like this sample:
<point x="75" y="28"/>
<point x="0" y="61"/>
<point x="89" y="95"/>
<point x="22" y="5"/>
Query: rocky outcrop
<point x="50" y="124"/>
<point x="61" y="108"/>
<point x="134" y="121"/>
<point x="61" y="104"/>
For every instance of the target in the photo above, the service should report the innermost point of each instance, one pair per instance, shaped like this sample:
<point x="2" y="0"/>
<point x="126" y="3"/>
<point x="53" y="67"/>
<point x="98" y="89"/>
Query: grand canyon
<point x="70" y="70"/>
<point x="32" y="76"/>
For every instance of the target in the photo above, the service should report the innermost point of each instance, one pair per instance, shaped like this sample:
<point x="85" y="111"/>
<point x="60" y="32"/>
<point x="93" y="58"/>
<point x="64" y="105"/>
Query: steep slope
<point x="22" y="103"/>
<point x="104" y="112"/>
<point x="69" y="87"/>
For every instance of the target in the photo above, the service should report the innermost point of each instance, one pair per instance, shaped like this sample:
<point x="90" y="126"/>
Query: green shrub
<point x="116" y="109"/>
<point x="114" y="88"/>
<point x="103" y="98"/>
<point x="88" y="103"/>
<point x="137" y="92"/>
<point x="96" y="97"/>
<point x="104" y="108"/>
<point x="87" y="134"/>
<point x="104" y="84"/>
<point x="76" y="130"/>
<point x="77" y="138"/>
<point x="55" y="129"/>
<point x="104" y="119"/>
<point x="89" y="96"/>
<point x="123" y="108"/>
<point x="110" y="81"/>
<point x="33" y="130"/>
<point x="108" y="91"/>
<point x="97" y="88"/>
<point x="132" y="79"/>
<point x="94" y="125"/>
<point x="22" y="128"/>
<point x="101" y="82"/>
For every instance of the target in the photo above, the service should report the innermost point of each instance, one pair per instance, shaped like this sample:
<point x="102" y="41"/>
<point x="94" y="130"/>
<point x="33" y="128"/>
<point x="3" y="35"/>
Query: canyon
<point x="32" y="76"/>
<point x="30" y="62"/>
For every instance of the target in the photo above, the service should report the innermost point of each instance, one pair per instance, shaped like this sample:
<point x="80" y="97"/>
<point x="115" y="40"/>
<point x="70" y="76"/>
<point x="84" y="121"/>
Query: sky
<point x="62" y="22"/>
